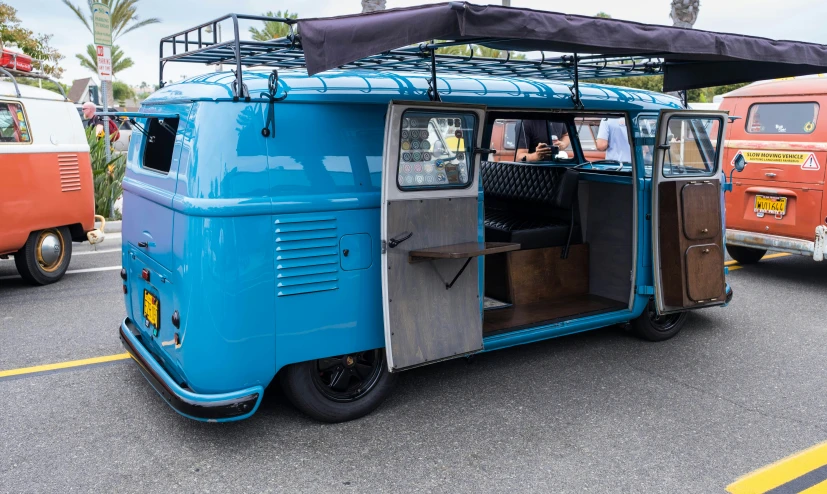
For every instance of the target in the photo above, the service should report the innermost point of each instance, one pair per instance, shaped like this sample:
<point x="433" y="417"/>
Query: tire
<point x="310" y="385"/>
<point x="652" y="327"/>
<point x="37" y="269"/>
<point x="745" y="255"/>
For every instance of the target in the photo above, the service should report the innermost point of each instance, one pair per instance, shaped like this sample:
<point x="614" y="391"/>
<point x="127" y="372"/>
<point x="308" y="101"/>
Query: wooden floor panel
<point x="523" y="316"/>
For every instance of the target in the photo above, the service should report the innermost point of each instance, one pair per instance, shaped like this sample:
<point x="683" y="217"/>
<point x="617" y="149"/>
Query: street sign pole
<point x="102" y="32"/>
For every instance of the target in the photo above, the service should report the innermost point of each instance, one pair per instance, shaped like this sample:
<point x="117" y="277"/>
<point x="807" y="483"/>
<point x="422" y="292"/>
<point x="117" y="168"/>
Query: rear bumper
<point x="223" y="407"/>
<point x="774" y="242"/>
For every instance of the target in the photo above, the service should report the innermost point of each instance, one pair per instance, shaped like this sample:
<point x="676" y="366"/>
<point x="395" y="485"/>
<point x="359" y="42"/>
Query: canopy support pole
<point x="433" y="93"/>
<point x="575" y="90"/>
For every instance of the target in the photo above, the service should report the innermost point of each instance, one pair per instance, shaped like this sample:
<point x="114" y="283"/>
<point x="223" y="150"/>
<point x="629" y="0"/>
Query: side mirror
<point x="739" y="162"/>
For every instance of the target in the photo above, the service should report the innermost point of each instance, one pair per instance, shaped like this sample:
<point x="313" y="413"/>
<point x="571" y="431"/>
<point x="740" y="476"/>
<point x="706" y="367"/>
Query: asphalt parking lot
<point x="739" y="388"/>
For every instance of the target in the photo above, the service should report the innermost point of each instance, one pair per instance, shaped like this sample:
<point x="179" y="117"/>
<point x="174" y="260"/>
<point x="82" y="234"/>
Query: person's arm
<point x="563" y="142"/>
<point x="602" y="141"/>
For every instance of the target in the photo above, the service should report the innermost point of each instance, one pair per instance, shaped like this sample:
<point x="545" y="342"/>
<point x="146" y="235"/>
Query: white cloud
<point x="793" y="19"/>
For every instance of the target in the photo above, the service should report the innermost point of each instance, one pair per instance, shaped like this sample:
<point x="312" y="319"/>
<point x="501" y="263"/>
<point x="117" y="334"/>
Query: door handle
<point x="705" y="230"/>
<point x="770" y="175"/>
<point x="398" y="240"/>
<point x="143" y="245"/>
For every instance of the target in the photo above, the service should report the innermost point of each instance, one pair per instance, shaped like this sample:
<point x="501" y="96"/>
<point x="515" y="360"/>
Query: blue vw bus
<point x="329" y="230"/>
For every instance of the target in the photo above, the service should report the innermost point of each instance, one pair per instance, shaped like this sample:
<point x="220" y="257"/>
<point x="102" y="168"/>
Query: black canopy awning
<point x="691" y="58"/>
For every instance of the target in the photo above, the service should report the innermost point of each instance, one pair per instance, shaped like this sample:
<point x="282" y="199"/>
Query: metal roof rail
<point x="196" y="45"/>
<point x="10" y="73"/>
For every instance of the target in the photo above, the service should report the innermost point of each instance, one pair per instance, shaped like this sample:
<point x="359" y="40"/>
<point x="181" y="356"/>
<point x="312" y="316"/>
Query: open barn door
<point x="430" y="230"/>
<point x="688" y="211"/>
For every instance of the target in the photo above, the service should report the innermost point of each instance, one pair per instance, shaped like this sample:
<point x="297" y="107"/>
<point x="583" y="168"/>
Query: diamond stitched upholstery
<point x="520" y="205"/>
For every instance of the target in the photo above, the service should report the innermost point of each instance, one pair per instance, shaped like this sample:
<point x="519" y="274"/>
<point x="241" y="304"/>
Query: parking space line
<point x="733" y="265"/>
<point x="63" y="365"/>
<point x="802" y="472"/>
<point x="71" y="271"/>
<point x="83" y="253"/>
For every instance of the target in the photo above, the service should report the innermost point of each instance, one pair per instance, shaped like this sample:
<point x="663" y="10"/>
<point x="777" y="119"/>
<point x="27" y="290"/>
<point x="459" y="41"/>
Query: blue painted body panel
<point x="246" y="234"/>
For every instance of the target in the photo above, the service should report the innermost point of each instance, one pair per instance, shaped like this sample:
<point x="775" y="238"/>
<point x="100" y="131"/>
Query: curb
<point x="111" y="226"/>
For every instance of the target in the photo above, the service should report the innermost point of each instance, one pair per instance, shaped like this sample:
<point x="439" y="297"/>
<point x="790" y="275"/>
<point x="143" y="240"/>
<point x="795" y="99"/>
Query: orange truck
<point x="778" y="201"/>
<point x="46" y="190"/>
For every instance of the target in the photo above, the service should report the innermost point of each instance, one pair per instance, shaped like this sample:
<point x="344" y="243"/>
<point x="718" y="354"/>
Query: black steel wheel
<point x="45" y="256"/>
<point x="652" y="326"/>
<point x="341" y="388"/>
<point x="745" y="255"/>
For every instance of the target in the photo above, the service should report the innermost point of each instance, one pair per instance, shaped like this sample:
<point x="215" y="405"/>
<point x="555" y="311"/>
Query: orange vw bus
<point x="778" y="202"/>
<point x="46" y="192"/>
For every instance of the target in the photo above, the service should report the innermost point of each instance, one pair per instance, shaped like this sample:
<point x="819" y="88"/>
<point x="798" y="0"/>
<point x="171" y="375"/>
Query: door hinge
<point x="645" y="290"/>
<point x="384" y="246"/>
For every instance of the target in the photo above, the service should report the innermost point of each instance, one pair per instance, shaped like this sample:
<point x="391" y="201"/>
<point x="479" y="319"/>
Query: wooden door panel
<point x="704" y="276"/>
<point x="701" y="213"/>
<point x="691" y="259"/>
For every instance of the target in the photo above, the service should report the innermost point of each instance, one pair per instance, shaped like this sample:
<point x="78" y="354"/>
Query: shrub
<point x="106" y="175"/>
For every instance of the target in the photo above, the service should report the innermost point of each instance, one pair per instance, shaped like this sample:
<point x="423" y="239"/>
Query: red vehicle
<point x="778" y="201"/>
<point x="504" y="139"/>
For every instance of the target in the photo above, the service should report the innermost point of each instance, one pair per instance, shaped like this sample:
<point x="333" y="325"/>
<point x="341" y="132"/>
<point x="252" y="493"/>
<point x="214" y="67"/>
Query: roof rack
<point x="197" y="45"/>
<point x="10" y="73"/>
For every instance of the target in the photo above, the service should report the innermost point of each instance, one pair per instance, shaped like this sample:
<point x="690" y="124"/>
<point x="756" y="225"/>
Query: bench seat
<point x="528" y="204"/>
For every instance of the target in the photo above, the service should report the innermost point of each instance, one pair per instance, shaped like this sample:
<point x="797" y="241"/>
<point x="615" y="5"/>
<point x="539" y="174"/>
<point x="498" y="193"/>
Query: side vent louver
<point x="69" y="172"/>
<point x="307" y="255"/>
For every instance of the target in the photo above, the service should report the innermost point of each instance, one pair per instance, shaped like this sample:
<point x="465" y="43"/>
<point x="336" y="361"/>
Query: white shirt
<point x="614" y="131"/>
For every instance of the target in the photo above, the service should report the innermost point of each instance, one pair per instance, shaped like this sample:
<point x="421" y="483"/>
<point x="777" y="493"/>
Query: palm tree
<point x="90" y="60"/>
<point x="273" y="30"/>
<point x="372" y="5"/>
<point x="123" y="15"/>
<point x="124" y="19"/>
<point x="684" y="13"/>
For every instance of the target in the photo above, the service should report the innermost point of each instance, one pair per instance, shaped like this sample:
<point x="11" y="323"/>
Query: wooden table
<point x="467" y="250"/>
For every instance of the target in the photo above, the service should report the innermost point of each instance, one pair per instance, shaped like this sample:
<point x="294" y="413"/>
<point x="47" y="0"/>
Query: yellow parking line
<point x="63" y="365"/>
<point x="733" y="265"/>
<point x="797" y="466"/>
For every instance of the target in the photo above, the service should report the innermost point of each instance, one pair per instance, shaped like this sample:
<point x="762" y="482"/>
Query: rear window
<point x="159" y="143"/>
<point x="13" y="124"/>
<point x="782" y="118"/>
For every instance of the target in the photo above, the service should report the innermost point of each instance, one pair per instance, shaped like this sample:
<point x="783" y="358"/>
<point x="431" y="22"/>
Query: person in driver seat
<point x="535" y="136"/>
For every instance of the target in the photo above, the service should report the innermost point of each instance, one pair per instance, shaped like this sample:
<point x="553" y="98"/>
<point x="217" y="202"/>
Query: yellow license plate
<point x="770" y="205"/>
<point x="152" y="309"/>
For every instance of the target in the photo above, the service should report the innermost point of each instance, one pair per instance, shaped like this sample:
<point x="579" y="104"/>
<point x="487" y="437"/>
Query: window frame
<point x="25" y="119"/>
<point x="702" y="148"/>
<point x="146" y="135"/>
<point x="753" y="107"/>
<point x="470" y="159"/>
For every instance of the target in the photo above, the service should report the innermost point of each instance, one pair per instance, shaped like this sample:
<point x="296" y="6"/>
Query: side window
<point x="159" y="143"/>
<point x="435" y="149"/>
<point x="510" y="141"/>
<point x="13" y="124"/>
<point x="782" y="118"/>
<point x="690" y="149"/>
<point x="586" y="134"/>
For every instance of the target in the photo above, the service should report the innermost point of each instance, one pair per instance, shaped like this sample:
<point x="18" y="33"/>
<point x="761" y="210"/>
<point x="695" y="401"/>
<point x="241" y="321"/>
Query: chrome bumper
<point x="774" y="242"/>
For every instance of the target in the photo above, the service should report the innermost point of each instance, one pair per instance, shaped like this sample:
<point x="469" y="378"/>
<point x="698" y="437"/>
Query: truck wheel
<point x="338" y="389"/>
<point x="651" y="326"/>
<point x="45" y="256"/>
<point x="745" y="255"/>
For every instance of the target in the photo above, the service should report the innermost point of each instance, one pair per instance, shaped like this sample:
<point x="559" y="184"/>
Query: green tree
<point x="122" y="92"/>
<point x="603" y="15"/>
<point x="655" y="83"/>
<point x="45" y="57"/>
<point x="273" y="29"/>
<point x="125" y="19"/>
<point x="89" y="60"/>
<point x="479" y="51"/>
<point x="123" y="15"/>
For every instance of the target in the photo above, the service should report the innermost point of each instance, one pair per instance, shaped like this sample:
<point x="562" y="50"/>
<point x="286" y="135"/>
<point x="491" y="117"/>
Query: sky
<point x="801" y="20"/>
